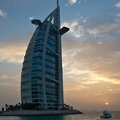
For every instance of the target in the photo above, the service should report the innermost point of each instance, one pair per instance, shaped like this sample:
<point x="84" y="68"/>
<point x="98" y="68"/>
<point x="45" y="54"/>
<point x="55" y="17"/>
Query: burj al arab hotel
<point x="41" y="77"/>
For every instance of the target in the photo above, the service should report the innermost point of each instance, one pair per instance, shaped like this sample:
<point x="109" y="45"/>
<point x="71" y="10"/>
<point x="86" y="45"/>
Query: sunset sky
<point x="91" y="49"/>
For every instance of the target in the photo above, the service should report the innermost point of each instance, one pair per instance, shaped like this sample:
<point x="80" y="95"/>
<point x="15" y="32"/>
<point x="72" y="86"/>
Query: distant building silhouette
<point x="41" y="77"/>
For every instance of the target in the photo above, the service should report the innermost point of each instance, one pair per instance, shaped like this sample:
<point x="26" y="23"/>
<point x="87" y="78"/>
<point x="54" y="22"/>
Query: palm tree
<point x="6" y="107"/>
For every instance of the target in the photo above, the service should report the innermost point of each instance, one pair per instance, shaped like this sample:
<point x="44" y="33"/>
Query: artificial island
<point x="41" y="76"/>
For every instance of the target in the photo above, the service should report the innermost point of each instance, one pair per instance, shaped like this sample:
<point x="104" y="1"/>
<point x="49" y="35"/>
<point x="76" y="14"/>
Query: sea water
<point x="86" y="116"/>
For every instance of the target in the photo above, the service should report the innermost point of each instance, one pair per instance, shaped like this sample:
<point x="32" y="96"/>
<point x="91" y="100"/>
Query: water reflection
<point x="85" y="116"/>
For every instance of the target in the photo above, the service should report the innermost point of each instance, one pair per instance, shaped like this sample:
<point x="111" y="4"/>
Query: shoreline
<point x="39" y="113"/>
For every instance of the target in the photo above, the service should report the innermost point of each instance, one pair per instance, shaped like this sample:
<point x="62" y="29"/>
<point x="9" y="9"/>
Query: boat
<point x="106" y="114"/>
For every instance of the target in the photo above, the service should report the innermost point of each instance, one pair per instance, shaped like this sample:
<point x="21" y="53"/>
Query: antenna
<point x="57" y="3"/>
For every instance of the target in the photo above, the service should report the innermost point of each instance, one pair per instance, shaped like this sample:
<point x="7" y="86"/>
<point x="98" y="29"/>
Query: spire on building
<point x="57" y="3"/>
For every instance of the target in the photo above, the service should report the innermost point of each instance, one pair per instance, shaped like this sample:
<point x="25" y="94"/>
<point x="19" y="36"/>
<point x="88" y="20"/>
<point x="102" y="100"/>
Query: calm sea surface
<point x="85" y="116"/>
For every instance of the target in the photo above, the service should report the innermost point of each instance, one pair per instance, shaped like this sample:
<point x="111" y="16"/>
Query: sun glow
<point x="106" y="103"/>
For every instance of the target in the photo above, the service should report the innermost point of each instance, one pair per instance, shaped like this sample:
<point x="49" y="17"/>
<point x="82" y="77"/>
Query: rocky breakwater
<point x="38" y="113"/>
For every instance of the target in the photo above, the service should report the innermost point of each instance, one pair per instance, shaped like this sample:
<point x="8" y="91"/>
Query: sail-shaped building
<point x="41" y="77"/>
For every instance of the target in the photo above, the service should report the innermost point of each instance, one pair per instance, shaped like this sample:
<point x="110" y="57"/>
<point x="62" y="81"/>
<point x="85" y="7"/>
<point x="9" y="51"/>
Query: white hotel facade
<point x="41" y="77"/>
